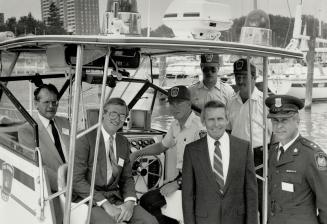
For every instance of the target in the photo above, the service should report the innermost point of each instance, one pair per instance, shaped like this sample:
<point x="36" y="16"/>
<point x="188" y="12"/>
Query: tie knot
<point x="51" y="122"/>
<point x="111" y="138"/>
<point x="217" y="143"/>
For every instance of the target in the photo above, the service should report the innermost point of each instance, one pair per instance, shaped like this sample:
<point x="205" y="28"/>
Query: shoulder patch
<point x="321" y="160"/>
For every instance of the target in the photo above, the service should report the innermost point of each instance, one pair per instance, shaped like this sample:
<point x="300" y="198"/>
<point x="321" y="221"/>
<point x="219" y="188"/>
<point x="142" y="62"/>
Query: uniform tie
<point x="281" y="152"/>
<point x="57" y="140"/>
<point x="112" y="159"/>
<point x="218" y="166"/>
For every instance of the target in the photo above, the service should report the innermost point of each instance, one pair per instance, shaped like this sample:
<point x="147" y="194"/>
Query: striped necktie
<point x="218" y="166"/>
<point x="112" y="157"/>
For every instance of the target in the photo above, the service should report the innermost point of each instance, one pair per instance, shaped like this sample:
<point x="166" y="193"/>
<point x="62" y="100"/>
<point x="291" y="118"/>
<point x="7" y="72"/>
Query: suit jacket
<point x="50" y="156"/>
<point x="297" y="184"/>
<point x="203" y="203"/>
<point x="121" y="187"/>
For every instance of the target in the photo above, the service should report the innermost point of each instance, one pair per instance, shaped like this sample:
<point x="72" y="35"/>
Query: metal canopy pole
<point x="74" y="123"/>
<point x="249" y="76"/>
<point x="265" y="143"/>
<point x="97" y="142"/>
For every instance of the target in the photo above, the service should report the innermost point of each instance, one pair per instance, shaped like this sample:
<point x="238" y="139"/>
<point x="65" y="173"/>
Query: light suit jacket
<point x="121" y="187"/>
<point x="203" y="203"/>
<point x="50" y="156"/>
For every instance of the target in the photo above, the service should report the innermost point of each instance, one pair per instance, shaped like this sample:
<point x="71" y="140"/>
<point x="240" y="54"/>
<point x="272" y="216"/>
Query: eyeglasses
<point x="114" y="115"/>
<point x="53" y="103"/>
<point x="207" y="69"/>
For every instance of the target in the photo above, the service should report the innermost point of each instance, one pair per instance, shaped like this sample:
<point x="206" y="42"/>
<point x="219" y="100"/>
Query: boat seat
<point x="78" y="215"/>
<point x="173" y="207"/>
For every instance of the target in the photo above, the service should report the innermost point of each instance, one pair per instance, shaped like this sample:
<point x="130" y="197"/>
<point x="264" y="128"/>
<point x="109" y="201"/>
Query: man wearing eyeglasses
<point x="211" y="87"/>
<point x="53" y="134"/>
<point x="114" y="189"/>
<point x="186" y="128"/>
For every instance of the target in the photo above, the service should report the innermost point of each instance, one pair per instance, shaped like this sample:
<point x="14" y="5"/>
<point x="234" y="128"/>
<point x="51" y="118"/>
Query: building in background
<point x="2" y="18"/>
<point x="77" y="16"/>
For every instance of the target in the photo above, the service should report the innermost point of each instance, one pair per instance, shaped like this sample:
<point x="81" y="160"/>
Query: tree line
<point x="27" y="25"/>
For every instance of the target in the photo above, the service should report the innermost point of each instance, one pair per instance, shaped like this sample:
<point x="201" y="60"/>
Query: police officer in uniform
<point x="297" y="173"/>
<point x="210" y="88"/>
<point x="186" y="128"/>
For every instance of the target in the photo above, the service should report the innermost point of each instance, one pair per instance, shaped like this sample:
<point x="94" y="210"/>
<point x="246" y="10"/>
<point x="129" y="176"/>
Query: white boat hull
<point x="298" y="88"/>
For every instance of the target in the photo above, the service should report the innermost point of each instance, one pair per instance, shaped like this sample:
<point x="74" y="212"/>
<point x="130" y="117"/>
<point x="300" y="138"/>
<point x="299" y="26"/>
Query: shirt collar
<point x="223" y="138"/>
<point x="45" y="121"/>
<point x="254" y="96"/>
<point x="201" y="85"/>
<point x="106" y="135"/>
<point x="189" y="120"/>
<point x="286" y="146"/>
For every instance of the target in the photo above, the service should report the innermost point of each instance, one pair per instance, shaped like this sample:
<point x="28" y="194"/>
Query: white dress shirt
<point x="225" y="151"/>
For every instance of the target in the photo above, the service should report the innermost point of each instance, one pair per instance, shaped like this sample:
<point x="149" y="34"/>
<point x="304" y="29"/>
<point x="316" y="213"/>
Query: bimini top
<point x="147" y="46"/>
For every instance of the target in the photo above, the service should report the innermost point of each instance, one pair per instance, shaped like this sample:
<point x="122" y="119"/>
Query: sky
<point x="18" y="8"/>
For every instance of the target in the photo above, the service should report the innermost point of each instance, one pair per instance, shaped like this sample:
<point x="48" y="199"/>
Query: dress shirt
<point x="225" y="151"/>
<point x="46" y="124"/>
<point x="287" y="145"/>
<point x="106" y="136"/>
<point x="177" y="138"/>
<point x="200" y="94"/>
<point x="239" y="118"/>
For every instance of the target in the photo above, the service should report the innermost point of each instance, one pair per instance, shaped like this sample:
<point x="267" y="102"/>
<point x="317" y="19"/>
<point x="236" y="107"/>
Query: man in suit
<point x="53" y="135"/>
<point x="186" y="128"/>
<point x="297" y="168"/>
<point x="219" y="183"/>
<point x="114" y="193"/>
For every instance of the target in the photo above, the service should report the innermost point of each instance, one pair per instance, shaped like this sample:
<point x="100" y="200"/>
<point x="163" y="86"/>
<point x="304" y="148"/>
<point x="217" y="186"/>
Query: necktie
<point x="218" y="166"/>
<point x="57" y="140"/>
<point x="112" y="159"/>
<point x="281" y="152"/>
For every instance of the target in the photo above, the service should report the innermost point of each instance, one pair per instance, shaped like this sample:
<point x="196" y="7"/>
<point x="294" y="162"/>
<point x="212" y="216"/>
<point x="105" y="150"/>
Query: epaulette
<point x="310" y="144"/>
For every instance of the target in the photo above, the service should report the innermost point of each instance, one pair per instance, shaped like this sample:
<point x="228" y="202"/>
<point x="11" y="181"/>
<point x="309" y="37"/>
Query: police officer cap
<point x="283" y="105"/>
<point x="179" y="93"/>
<point x="209" y="59"/>
<point x="241" y="67"/>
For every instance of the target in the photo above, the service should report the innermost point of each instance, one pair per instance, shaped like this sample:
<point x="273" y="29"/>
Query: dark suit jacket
<point x="203" y="203"/>
<point x="50" y="156"/>
<point x="121" y="187"/>
<point x="307" y="184"/>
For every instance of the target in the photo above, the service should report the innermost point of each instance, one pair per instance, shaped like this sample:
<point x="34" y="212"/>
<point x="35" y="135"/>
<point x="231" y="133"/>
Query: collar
<point x="44" y="121"/>
<point x="256" y="94"/>
<point x="222" y="139"/>
<point x="286" y="146"/>
<point x="106" y="135"/>
<point x="201" y="85"/>
<point x="189" y="120"/>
